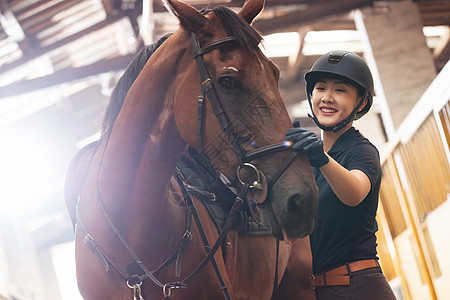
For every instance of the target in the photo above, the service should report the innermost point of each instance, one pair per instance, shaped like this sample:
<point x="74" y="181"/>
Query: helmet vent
<point x="334" y="59"/>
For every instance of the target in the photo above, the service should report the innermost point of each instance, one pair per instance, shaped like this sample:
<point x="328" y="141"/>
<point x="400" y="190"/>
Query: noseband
<point x="209" y="92"/>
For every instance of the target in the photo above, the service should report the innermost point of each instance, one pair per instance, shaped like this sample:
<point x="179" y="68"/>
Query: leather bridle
<point x="208" y="92"/>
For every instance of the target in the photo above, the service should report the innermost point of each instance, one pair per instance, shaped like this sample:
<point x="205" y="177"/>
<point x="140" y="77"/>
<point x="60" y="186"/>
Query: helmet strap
<point x="343" y="123"/>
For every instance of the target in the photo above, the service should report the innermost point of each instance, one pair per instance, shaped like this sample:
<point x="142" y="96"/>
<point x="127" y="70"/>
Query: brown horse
<point x="133" y="219"/>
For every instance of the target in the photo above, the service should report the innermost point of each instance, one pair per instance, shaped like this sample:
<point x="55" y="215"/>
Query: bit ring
<point x="257" y="183"/>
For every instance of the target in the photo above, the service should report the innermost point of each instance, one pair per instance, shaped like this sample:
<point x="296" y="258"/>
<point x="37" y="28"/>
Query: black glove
<point x="305" y="140"/>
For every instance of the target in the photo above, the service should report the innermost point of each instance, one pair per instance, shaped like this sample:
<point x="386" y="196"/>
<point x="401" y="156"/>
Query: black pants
<point x="369" y="284"/>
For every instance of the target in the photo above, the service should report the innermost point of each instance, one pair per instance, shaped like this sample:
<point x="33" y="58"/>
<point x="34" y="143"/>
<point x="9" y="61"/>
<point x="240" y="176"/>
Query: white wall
<point x="408" y="262"/>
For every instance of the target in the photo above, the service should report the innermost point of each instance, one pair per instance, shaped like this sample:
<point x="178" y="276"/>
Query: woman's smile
<point x="327" y="110"/>
<point x="333" y="100"/>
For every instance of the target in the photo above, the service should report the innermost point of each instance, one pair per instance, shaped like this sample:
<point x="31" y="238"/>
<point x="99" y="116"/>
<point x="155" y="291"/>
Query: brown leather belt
<point x="341" y="275"/>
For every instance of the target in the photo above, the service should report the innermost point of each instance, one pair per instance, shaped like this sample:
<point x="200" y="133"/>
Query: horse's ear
<point x="251" y="9"/>
<point x="190" y="18"/>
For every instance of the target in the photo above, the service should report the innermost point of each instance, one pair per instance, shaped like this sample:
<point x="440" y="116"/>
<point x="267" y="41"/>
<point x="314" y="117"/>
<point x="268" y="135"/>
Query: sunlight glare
<point x="25" y="172"/>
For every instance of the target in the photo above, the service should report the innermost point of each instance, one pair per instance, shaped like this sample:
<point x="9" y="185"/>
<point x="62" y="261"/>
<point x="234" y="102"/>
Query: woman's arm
<point x="351" y="187"/>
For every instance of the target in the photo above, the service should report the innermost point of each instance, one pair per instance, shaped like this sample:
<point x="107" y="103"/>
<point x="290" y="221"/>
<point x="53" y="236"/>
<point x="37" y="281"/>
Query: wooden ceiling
<point x="76" y="39"/>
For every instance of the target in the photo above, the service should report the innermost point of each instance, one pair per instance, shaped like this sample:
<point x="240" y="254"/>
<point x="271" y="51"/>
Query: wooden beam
<point x="159" y="7"/>
<point x="63" y="42"/>
<point x="296" y="61"/>
<point x="442" y="51"/>
<point x="66" y="75"/>
<point x="9" y="23"/>
<point x="307" y="16"/>
<point x="112" y="6"/>
<point x="30" y="19"/>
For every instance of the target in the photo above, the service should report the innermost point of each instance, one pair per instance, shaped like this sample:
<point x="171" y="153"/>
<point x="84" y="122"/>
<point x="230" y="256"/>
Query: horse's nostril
<point x="294" y="202"/>
<point x="300" y="215"/>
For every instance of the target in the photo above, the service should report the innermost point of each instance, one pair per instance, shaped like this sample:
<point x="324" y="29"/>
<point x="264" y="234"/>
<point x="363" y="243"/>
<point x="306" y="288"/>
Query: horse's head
<point x="242" y="113"/>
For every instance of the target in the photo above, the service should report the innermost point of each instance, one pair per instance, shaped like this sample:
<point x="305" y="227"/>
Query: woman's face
<point x="333" y="100"/>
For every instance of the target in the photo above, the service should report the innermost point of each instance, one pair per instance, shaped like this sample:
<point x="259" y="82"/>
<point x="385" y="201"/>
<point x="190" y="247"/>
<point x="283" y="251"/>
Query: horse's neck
<point x="144" y="146"/>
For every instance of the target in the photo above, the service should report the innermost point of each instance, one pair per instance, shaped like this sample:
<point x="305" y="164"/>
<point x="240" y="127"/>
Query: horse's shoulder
<point x="79" y="162"/>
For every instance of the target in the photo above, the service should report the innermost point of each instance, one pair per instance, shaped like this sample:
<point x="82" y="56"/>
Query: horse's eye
<point x="228" y="82"/>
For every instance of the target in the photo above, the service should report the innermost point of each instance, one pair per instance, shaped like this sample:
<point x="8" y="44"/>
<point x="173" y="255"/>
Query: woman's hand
<point x="305" y="140"/>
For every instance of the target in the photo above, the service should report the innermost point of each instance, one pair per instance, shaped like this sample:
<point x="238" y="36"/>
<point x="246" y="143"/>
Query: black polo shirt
<point x="343" y="233"/>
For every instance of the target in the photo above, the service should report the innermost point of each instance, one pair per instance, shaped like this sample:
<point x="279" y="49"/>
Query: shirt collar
<point x="343" y="141"/>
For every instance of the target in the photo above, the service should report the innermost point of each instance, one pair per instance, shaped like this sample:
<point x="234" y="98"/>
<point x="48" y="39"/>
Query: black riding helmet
<point x="348" y="67"/>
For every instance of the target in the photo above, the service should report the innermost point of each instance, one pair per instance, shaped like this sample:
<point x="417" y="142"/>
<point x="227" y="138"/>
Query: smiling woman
<point x="348" y="173"/>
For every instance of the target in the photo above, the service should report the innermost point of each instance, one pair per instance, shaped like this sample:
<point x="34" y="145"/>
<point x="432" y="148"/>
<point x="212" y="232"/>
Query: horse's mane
<point x="248" y="38"/>
<point x="125" y="81"/>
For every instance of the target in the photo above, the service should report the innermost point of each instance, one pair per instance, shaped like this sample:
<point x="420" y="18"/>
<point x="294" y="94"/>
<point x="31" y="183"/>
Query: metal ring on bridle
<point x="256" y="183"/>
<point x="167" y="290"/>
<point x="132" y="285"/>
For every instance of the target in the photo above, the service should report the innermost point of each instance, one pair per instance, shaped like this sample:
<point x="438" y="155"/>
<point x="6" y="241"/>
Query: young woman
<point x="348" y="174"/>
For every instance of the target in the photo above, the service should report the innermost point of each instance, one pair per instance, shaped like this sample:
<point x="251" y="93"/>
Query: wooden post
<point x="412" y="219"/>
<point x="384" y="225"/>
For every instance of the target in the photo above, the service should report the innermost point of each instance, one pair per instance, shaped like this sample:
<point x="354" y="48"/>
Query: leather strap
<point x="341" y="274"/>
<point x="329" y="280"/>
<point x="222" y="43"/>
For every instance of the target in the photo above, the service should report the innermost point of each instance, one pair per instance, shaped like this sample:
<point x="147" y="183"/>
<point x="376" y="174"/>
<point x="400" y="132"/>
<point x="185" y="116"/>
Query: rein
<point x="136" y="272"/>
